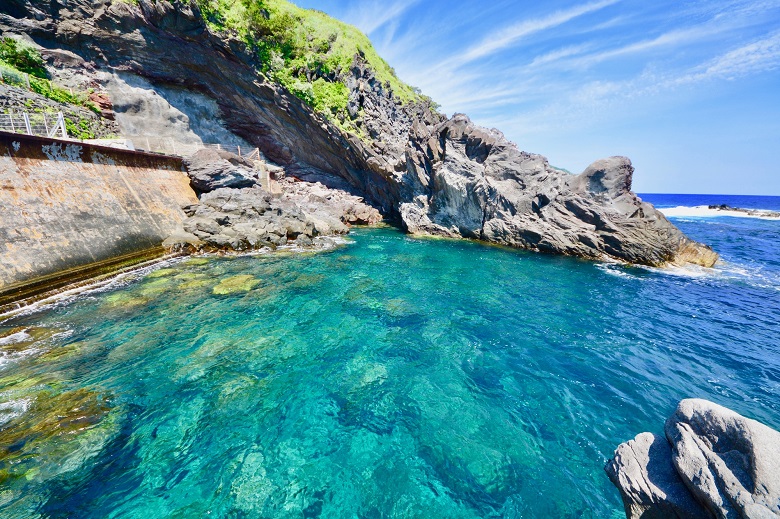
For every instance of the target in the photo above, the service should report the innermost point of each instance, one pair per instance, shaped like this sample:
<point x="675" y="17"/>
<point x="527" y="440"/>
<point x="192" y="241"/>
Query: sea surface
<point x="392" y="377"/>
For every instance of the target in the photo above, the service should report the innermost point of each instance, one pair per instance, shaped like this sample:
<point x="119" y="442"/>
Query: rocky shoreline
<point x="436" y="175"/>
<point x="713" y="463"/>
<point x="760" y="213"/>
<point x="235" y="212"/>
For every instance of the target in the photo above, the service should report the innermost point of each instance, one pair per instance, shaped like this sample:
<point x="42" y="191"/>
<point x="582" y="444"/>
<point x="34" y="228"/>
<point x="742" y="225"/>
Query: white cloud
<point x="369" y="16"/>
<point x="511" y="35"/>
<point x="760" y="56"/>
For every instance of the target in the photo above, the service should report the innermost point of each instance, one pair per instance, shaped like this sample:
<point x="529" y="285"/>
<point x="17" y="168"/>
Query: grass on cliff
<point x="306" y="51"/>
<point x="22" y="65"/>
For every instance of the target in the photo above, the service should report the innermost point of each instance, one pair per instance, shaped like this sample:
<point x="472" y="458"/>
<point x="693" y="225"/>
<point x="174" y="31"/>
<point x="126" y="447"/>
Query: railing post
<point x="27" y="123"/>
<point x="46" y="125"/>
<point x="61" y="122"/>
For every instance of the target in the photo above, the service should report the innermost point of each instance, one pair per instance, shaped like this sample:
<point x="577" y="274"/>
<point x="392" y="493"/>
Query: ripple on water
<point x="395" y="377"/>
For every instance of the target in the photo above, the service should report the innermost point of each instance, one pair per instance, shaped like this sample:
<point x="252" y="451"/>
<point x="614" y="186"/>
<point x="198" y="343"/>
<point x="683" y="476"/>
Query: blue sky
<point x="689" y="90"/>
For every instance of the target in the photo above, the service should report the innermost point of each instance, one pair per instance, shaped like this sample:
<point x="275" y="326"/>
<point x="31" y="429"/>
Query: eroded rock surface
<point x="249" y="218"/>
<point x="730" y="463"/>
<point x="469" y="181"/>
<point x="713" y="463"/>
<point x="642" y="469"/>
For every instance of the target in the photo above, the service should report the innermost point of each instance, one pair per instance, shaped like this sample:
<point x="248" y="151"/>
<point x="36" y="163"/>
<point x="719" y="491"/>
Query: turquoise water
<point x="393" y="377"/>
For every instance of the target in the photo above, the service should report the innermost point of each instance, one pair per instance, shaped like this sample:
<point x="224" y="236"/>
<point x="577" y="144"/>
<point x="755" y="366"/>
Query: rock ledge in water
<point x="714" y="463"/>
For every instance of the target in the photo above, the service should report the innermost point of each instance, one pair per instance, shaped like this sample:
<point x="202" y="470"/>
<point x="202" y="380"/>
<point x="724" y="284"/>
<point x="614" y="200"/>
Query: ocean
<point x="391" y="377"/>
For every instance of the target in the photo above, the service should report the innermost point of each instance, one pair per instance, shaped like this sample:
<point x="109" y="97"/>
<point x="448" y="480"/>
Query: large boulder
<point x="643" y="472"/>
<point x="251" y="218"/>
<point x="730" y="463"/>
<point x="714" y="463"/>
<point x="211" y="169"/>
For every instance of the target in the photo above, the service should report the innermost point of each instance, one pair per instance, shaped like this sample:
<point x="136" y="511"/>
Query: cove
<point x="392" y="377"/>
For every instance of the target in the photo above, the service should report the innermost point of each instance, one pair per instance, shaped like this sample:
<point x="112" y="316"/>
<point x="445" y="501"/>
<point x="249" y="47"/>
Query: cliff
<point x="283" y="79"/>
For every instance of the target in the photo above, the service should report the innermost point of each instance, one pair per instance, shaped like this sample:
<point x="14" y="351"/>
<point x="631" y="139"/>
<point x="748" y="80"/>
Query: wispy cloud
<point x="556" y="55"/>
<point x="760" y="56"/>
<point x="369" y="16"/>
<point x="590" y="102"/>
<point x="509" y="36"/>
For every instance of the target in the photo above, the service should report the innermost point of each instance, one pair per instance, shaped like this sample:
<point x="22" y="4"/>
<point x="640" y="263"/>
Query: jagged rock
<point x="470" y="181"/>
<point x="251" y="218"/>
<point x="642" y="470"/>
<point x="730" y="463"/>
<point x="713" y="463"/>
<point x="211" y="169"/>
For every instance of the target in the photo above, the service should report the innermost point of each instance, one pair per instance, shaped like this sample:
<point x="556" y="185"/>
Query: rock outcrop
<point x="435" y="175"/>
<point x="235" y="213"/>
<point x="211" y="169"/>
<point x="714" y="463"/>
<point x="464" y="180"/>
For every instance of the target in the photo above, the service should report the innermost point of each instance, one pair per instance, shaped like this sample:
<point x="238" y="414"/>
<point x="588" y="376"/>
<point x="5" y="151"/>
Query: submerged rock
<point x="714" y="463"/>
<point x="236" y="284"/>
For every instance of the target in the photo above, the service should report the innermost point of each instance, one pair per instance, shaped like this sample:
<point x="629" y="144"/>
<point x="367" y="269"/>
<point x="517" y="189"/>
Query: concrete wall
<point x="68" y="206"/>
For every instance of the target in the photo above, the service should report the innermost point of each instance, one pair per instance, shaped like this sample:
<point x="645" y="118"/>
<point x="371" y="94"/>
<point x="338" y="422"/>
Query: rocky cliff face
<point x="435" y="175"/>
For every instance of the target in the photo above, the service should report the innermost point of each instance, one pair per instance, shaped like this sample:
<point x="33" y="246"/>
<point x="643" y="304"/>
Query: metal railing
<point x="40" y="124"/>
<point x="170" y="146"/>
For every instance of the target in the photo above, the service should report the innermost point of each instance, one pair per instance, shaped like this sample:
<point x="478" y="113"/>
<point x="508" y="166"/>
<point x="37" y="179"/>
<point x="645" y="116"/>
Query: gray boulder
<point x="730" y="463"/>
<point x="211" y="169"/>
<point x="251" y="218"/>
<point x="643" y="471"/>
<point x="714" y="463"/>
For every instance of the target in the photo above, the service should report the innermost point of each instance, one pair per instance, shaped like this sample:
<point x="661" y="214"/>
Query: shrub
<point x="22" y="57"/>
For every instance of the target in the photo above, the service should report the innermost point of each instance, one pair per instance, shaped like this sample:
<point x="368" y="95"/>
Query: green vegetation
<point x="305" y="50"/>
<point x="22" y="57"/>
<point x="22" y="65"/>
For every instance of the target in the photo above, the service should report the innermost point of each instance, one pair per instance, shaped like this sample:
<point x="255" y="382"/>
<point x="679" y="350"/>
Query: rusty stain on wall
<point x="66" y="205"/>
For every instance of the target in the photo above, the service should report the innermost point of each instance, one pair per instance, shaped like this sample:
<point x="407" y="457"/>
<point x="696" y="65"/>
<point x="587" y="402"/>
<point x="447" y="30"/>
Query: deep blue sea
<point x="392" y="377"/>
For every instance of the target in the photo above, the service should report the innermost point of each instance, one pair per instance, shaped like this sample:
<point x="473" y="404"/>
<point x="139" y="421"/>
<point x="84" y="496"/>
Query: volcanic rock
<point x="437" y="176"/>
<point x="211" y="169"/>
<point x="730" y="463"/>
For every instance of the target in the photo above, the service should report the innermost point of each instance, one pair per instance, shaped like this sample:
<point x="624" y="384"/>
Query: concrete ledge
<point x="19" y="295"/>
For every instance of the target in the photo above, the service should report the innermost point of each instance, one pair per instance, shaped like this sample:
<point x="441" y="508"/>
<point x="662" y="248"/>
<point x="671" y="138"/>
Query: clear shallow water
<point x="391" y="378"/>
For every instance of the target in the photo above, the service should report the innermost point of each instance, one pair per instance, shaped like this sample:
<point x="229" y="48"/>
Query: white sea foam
<point x="13" y="409"/>
<point x="615" y="269"/>
<point x="722" y="271"/>
<point x="703" y="211"/>
<point x="15" y="338"/>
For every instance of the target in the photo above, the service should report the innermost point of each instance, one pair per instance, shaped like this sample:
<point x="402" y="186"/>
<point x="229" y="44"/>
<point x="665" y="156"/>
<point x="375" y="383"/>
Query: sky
<point x="689" y="90"/>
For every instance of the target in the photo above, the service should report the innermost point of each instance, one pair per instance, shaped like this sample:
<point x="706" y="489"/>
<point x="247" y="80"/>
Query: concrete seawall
<point x="69" y="210"/>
